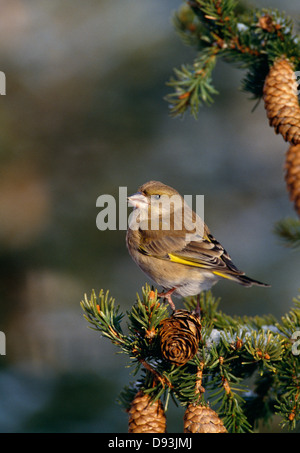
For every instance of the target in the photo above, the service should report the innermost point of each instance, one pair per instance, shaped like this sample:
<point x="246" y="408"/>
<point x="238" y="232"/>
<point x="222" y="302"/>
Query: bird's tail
<point x="247" y="281"/>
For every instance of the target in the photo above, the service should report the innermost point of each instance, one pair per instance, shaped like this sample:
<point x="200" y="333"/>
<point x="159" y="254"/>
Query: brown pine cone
<point x="292" y="175"/>
<point x="146" y="416"/>
<point x="281" y="100"/>
<point x="202" y="419"/>
<point x="180" y="336"/>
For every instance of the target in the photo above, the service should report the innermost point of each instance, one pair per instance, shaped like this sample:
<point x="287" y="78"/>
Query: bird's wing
<point x="191" y="250"/>
<point x="159" y="245"/>
<point x="207" y="254"/>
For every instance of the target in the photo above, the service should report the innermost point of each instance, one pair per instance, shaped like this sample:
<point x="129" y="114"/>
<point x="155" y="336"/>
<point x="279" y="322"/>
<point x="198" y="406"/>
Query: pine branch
<point x="101" y="313"/>
<point x="230" y="350"/>
<point x="249" y="38"/>
<point x="193" y="85"/>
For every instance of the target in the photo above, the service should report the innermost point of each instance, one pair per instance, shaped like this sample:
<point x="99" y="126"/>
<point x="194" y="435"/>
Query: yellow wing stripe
<point x="176" y="259"/>
<point x="222" y="275"/>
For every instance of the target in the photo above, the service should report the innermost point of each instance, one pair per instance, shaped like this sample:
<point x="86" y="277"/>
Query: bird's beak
<point x="138" y="200"/>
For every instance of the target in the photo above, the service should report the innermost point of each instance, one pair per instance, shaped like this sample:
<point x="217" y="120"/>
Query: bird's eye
<point x="156" y="197"/>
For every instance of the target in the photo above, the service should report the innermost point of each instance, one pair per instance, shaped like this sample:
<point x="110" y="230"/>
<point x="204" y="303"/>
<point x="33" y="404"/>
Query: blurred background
<point x="83" y="115"/>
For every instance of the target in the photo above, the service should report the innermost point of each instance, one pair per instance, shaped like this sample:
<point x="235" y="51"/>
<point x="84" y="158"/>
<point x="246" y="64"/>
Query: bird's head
<point x="158" y="203"/>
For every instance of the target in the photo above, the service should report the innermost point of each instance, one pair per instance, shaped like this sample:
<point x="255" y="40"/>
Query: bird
<point x="174" y="247"/>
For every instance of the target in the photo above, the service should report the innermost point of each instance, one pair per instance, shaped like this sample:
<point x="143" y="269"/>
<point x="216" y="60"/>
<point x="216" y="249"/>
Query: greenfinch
<point x="173" y="245"/>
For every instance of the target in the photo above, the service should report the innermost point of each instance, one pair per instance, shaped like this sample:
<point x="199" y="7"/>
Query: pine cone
<point x="267" y="23"/>
<point x="146" y="416"/>
<point x="202" y="419"/>
<point x="292" y="175"/>
<point x="281" y="100"/>
<point x="180" y="336"/>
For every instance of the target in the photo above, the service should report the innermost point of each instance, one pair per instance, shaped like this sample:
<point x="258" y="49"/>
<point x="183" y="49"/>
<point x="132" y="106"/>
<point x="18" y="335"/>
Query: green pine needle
<point x="288" y="230"/>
